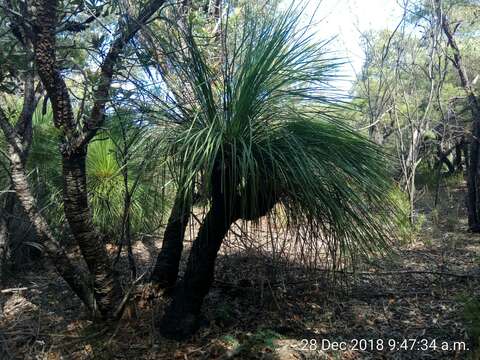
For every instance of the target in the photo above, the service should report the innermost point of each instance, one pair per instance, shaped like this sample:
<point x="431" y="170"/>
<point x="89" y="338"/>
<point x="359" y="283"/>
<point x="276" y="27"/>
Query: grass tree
<point x="256" y="127"/>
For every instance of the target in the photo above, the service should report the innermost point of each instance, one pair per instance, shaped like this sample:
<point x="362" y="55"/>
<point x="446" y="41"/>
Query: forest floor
<point x="420" y="293"/>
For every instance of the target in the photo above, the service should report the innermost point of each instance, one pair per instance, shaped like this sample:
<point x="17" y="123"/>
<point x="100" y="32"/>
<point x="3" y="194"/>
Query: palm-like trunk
<point x="165" y="271"/>
<point x="182" y="316"/>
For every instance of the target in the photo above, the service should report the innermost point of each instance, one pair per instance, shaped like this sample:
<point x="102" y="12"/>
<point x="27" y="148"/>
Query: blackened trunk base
<point x="182" y="317"/>
<point x="165" y="272"/>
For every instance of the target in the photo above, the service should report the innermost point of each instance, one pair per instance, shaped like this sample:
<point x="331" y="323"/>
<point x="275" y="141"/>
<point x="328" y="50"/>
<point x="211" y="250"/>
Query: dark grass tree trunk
<point x="182" y="317"/>
<point x="473" y="179"/>
<point x="165" y="271"/>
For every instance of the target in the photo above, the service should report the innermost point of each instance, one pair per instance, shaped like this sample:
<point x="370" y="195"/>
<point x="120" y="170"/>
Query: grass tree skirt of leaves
<point x="253" y="129"/>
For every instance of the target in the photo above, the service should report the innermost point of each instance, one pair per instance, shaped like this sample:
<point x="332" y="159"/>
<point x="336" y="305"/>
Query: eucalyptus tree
<point x="17" y="79"/>
<point x="254" y="131"/>
<point x="443" y="11"/>
<point x="399" y="94"/>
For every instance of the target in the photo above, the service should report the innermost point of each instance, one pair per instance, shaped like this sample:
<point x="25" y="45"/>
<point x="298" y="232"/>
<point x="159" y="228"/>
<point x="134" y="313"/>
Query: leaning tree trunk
<point x="54" y="251"/>
<point x="182" y="316"/>
<point x="79" y="217"/>
<point x="165" y="271"/>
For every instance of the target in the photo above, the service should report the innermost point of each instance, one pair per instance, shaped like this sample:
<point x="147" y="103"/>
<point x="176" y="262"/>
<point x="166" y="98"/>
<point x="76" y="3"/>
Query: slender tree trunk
<point x="77" y="211"/>
<point x="473" y="180"/>
<point x="165" y="271"/>
<point x="3" y="246"/>
<point x="458" y="156"/>
<point x="126" y="220"/>
<point x="466" y="154"/>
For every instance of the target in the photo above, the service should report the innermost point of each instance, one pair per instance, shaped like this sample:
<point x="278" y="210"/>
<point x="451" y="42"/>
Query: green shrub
<point x="406" y="230"/>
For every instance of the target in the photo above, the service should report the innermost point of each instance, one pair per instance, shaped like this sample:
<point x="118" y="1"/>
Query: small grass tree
<point x="255" y="126"/>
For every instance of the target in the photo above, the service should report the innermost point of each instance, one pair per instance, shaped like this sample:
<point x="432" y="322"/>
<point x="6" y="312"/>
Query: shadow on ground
<point x="261" y="310"/>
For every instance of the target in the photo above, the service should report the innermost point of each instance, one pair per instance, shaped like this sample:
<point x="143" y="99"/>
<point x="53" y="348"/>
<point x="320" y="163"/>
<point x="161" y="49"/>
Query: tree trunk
<point x="165" y="271"/>
<point x="54" y="252"/>
<point x="182" y="316"/>
<point x="3" y="246"/>
<point x="473" y="179"/>
<point x="458" y="156"/>
<point x="473" y="200"/>
<point x="75" y="198"/>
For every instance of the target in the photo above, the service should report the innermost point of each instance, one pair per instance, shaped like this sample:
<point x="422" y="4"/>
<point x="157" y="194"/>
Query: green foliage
<point x="266" y="116"/>
<point x="105" y="182"/>
<point x="107" y="191"/>
<point x="471" y="317"/>
<point x="45" y="168"/>
<point x="407" y="231"/>
<point x="105" y="186"/>
<point x="248" y="346"/>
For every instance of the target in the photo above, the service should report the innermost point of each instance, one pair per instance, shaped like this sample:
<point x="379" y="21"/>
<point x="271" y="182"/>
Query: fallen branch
<point x="11" y="290"/>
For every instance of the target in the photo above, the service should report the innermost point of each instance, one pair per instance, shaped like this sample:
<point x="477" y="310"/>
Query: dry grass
<point x="261" y="309"/>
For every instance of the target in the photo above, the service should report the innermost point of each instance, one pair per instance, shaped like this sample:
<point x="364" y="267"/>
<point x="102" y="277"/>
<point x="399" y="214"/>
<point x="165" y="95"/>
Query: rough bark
<point x="165" y="271"/>
<point x="23" y="130"/>
<point x="76" y="138"/>
<point x="75" y="200"/>
<point x="56" y="254"/>
<point x="53" y="250"/>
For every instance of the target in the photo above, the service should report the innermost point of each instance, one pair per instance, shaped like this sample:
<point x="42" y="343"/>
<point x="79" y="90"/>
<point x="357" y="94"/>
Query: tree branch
<point x="127" y="32"/>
